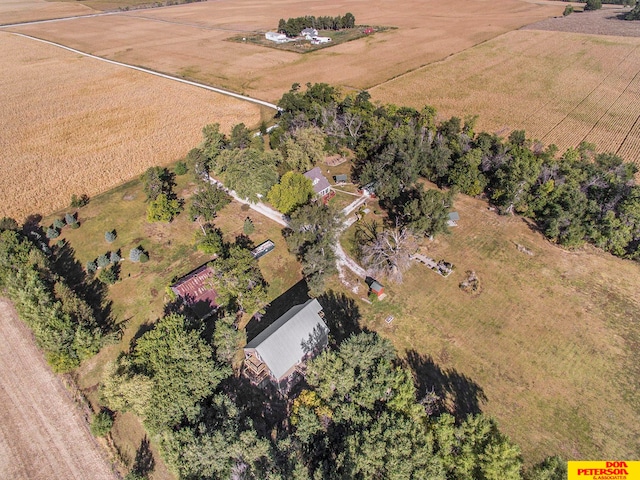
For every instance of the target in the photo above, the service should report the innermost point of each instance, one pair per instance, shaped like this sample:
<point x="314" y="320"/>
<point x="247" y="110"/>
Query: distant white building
<point x="318" y="40"/>
<point x="309" y="33"/>
<point x="276" y="37"/>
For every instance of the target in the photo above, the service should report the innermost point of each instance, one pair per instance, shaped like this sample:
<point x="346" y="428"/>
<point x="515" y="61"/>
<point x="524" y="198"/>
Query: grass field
<point x="589" y="89"/>
<point x="139" y="297"/>
<point x="551" y="341"/>
<point x="190" y="39"/>
<point x="73" y="125"/>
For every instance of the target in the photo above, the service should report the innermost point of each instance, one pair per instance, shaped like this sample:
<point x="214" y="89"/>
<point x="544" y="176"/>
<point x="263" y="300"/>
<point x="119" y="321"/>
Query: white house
<point x="321" y="185"/>
<point x="276" y="37"/>
<point x="309" y="33"/>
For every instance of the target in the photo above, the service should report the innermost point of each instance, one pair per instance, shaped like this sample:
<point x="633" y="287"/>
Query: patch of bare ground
<point x="43" y="434"/>
<point x="606" y="21"/>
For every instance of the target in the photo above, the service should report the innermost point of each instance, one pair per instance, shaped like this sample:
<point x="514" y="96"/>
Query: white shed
<point x="276" y="37"/>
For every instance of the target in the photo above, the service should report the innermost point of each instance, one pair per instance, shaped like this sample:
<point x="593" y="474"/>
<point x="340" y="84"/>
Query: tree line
<point x="293" y="26"/>
<point x="577" y="197"/>
<point x="65" y="322"/>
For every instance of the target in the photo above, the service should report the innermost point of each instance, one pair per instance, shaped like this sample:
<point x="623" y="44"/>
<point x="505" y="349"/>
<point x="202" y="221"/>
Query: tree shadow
<point x="296" y="295"/>
<point x="456" y="392"/>
<point x="342" y="316"/>
<point x="144" y="328"/>
<point x="144" y="463"/>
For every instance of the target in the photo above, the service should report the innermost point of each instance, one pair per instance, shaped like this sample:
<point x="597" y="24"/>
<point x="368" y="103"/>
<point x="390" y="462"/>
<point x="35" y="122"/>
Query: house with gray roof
<point x="278" y="353"/>
<point x="321" y="185"/>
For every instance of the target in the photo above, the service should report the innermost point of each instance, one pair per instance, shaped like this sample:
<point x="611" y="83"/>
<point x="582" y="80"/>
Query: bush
<point x="568" y="10"/>
<point x="115" y="258"/>
<point x="108" y="276"/>
<point x="58" y="223"/>
<point x="134" y="254"/>
<point x="248" y="228"/>
<point x="593" y="5"/>
<point x="69" y="218"/>
<point x="144" y="258"/>
<point x="52" y="232"/>
<point x="77" y="202"/>
<point x="110" y="236"/>
<point x="8" y="223"/>
<point x="60" y="243"/>
<point x="101" y="423"/>
<point x="181" y="168"/>
<point x="103" y="261"/>
<point x="163" y="209"/>
<point x="91" y="266"/>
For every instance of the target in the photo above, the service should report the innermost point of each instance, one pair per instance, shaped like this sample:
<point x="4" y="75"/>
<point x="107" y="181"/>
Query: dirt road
<point x="42" y="433"/>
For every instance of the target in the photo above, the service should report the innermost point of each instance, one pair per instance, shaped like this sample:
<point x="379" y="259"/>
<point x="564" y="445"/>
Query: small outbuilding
<point x="276" y="37"/>
<point x="318" y="40"/>
<point x="453" y="219"/>
<point x="341" y="178"/>
<point x="196" y="290"/>
<point x="262" y="249"/>
<point x="375" y="287"/>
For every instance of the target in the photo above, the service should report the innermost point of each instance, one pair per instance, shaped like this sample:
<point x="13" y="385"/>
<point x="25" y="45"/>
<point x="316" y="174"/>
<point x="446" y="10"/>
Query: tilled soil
<point x="607" y="21"/>
<point x="42" y="432"/>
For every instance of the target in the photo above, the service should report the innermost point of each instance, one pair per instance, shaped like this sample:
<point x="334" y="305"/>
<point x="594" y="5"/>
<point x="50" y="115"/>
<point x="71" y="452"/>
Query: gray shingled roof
<point x="318" y="180"/>
<point x="286" y="341"/>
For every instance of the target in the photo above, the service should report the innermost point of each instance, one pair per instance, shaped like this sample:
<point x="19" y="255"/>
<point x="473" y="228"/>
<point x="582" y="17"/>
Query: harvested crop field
<point x="73" y="125"/>
<point x="14" y="11"/>
<point x="589" y="89"/>
<point x="190" y="40"/>
<point x="606" y="21"/>
<point x="43" y="435"/>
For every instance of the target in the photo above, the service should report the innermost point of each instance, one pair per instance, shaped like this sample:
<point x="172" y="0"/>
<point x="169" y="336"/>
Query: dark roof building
<point x="342" y="178"/>
<point x="320" y="183"/>
<point x="196" y="290"/>
<point x="278" y="353"/>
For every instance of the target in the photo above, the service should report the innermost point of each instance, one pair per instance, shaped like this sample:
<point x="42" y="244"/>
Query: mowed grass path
<point x="551" y="341"/>
<point x="138" y="299"/>
<point x="587" y="89"/>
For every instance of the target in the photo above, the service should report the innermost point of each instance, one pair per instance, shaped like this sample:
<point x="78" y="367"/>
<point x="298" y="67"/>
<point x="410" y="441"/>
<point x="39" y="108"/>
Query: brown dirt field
<point x="189" y="39"/>
<point x="14" y="11"/>
<point x="43" y="434"/>
<point x="589" y="89"/>
<point x="73" y="125"/>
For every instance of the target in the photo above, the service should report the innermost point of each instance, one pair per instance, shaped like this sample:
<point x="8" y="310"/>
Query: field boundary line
<point x="157" y="74"/>
<point x="59" y="19"/>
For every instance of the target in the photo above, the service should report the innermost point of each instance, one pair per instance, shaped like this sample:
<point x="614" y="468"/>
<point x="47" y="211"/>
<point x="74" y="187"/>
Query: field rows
<point x="73" y="125"/>
<point x="586" y="90"/>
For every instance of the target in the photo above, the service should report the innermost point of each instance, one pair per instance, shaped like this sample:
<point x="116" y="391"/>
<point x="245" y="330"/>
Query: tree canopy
<point x="293" y="191"/>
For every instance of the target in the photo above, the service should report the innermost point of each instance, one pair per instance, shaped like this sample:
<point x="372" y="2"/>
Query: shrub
<point x="52" y="232"/>
<point x="91" y="266"/>
<point x="69" y="218"/>
<point x="101" y="424"/>
<point x="593" y="5"/>
<point x="163" y="209"/>
<point x="144" y="257"/>
<point x="115" y="257"/>
<point x="58" y="223"/>
<point x="110" y="236"/>
<point x="60" y="243"/>
<point x="568" y="10"/>
<point x="103" y="261"/>
<point x="248" y="228"/>
<point x="134" y="254"/>
<point x="77" y="202"/>
<point x="181" y="168"/>
<point x="8" y="223"/>
<point x="108" y="276"/>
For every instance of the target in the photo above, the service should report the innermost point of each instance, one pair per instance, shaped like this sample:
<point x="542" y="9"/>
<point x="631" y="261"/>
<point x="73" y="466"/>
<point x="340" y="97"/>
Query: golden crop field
<point x="73" y="125"/>
<point x="190" y="40"/>
<point x="13" y="11"/>
<point x="560" y="87"/>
